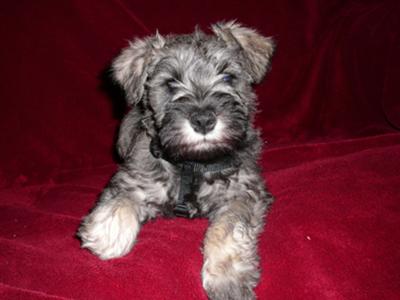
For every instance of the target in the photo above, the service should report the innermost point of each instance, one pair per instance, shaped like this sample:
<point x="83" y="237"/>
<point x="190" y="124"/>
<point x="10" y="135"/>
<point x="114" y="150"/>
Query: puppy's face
<point x="198" y="87"/>
<point x="201" y="98"/>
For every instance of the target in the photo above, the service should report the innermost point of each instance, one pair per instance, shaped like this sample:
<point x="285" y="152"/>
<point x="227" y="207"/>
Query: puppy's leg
<point x="110" y="230"/>
<point x="230" y="269"/>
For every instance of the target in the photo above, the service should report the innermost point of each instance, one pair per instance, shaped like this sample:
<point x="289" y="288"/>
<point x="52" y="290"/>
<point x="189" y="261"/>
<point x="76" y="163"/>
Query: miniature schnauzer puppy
<point x="190" y="148"/>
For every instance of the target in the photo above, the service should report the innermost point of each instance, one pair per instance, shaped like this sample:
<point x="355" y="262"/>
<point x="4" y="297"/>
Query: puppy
<point x="190" y="148"/>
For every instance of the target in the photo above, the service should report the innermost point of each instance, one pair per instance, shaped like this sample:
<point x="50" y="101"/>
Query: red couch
<point x="329" y="110"/>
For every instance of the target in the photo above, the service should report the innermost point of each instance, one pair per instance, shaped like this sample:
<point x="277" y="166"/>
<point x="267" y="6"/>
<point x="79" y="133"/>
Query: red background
<point x="329" y="110"/>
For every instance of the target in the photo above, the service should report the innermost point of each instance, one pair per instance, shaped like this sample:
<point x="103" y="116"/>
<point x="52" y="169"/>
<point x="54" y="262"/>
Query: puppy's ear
<point x="257" y="49"/>
<point x="130" y="67"/>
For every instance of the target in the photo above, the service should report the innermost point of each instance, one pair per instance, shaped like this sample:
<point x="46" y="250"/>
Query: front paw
<point x="110" y="230"/>
<point x="229" y="290"/>
<point x="223" y="284"/>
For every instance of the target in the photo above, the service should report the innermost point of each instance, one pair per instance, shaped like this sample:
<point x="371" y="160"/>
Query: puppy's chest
<point x="195" y="195"/>
<point x="193" y="189"/>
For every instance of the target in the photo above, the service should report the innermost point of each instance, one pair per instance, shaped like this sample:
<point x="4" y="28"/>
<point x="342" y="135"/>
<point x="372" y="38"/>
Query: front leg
<point x="230" y="269"/>
<point x="110" y="230"/>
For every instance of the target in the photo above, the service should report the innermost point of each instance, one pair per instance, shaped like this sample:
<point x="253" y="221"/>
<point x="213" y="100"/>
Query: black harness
<point x="192" y="175"/>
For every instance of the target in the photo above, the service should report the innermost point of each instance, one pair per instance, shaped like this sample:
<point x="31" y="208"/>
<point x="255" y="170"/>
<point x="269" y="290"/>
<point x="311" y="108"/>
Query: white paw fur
<point x="110" y="230"/>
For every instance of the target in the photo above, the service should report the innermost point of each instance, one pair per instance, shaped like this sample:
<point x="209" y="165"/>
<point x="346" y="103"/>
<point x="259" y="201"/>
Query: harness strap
<point x="192" y="175"/>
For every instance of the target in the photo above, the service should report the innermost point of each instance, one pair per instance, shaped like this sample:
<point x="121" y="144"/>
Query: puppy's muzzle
<point x="203" y="121"/>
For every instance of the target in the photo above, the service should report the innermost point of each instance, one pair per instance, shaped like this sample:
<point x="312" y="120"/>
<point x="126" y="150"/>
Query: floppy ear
<point x="257" y="49"/>
<point x="130" y="67"/>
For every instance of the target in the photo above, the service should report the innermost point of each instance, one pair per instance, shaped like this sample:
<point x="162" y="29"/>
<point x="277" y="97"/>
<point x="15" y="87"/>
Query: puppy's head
<point x="198" y="87"/>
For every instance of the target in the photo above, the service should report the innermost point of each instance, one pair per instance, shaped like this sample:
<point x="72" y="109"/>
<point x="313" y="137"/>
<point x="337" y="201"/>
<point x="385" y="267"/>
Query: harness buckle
<point x="181" y="210"/>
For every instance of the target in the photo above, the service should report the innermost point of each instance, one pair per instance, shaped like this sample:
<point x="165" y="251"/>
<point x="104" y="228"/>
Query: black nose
<point x="203" y="121"/>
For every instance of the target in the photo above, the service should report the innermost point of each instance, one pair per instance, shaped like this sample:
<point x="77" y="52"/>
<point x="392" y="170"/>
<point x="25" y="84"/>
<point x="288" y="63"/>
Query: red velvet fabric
<point x="329" y="111"/>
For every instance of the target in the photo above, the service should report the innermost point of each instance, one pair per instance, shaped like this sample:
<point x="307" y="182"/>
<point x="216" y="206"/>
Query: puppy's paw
<point x="223" y="285"/>
<point x="228" y="290"/>
<point x="110" y="230"/>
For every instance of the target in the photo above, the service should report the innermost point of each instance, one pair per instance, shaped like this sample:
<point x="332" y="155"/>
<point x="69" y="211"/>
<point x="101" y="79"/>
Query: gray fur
<point x="168" y="80"/>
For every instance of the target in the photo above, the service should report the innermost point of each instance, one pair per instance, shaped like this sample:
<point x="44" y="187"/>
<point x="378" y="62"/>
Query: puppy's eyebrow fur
<point x="167" y="70"/>
<point x="221" y="68"/>
<point x="176" y="75"/>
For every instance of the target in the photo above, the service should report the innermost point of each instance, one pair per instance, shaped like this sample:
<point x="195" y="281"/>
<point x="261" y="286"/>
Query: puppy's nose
<point x="203" y="121"/>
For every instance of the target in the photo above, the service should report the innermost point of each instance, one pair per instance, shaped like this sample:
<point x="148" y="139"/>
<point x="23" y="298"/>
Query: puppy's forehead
<point x="196" y="58"/>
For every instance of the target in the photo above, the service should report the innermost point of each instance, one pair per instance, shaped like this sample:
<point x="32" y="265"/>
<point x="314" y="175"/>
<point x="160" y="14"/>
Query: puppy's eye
<point x="228" y="78"/>
<point x="171" y="84"/>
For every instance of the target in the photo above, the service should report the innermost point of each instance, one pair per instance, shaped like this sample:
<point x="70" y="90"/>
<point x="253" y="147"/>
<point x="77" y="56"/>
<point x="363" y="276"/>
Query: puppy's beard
<point x="187" y="144"/>
<point x="202" y="142"/>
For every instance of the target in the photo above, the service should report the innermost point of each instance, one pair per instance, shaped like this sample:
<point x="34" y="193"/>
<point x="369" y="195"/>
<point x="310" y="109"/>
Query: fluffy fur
<point x="192" y="100"/>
